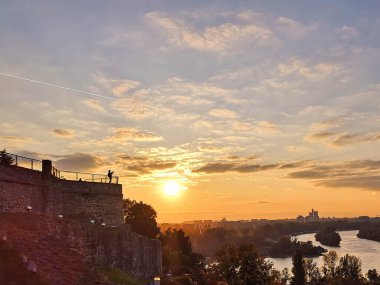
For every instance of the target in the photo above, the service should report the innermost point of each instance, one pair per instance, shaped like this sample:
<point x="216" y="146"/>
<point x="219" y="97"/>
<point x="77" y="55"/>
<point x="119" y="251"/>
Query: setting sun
<point x="171" y="188"/>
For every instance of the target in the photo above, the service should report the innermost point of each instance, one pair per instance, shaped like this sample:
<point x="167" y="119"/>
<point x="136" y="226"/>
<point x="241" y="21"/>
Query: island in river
<point x="369" y="232"/>
<point x="328" y="236"/>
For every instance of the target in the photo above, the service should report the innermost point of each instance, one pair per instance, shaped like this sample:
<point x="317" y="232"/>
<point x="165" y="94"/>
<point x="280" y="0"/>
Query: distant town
<point x="201" y="226"/>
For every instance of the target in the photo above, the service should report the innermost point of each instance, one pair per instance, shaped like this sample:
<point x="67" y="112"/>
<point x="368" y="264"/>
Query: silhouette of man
<point x="110" y="175"/>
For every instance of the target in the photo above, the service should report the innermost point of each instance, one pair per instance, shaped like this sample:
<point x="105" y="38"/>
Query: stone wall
<point x="57" y="244"/>
<point x="100" y="201"/>
<point x="114" y="244"/>
<point x="124" y="249"/>
<point x="21" y="187"/>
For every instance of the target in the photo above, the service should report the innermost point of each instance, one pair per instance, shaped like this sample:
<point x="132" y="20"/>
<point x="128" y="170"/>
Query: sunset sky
<point x="256" y="109"/>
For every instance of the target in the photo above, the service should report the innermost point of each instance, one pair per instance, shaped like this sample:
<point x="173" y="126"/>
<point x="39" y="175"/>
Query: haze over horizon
<point x="253" y="110"/>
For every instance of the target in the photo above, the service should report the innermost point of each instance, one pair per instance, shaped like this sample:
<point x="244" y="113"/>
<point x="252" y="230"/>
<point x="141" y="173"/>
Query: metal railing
<point x="21" y="161"/>
<point x="84" y="176"/>
<point x="36" y="164"/>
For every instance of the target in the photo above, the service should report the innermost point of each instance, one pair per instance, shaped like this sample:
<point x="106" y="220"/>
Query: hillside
<point x="55" y="247"/>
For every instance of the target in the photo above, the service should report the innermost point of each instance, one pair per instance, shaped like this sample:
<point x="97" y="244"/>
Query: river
<point x="368" y="251"/>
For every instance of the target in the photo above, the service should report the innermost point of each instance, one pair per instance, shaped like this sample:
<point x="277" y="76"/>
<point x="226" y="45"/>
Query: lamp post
<point x="157" y="280"/>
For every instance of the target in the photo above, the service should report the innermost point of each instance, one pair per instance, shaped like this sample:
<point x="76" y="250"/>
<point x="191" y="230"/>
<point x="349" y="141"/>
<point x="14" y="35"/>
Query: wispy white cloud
<point x="118" y="87"/>
<point x="222" y="113"/>
<point x="347" y="32"/>
<point x="294" y="29"/>
<point x="121" y="134"/>
<point x="215" y="38"/>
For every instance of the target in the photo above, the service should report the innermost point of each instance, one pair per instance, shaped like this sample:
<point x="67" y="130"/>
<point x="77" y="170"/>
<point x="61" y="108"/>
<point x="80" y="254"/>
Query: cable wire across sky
<point x="59" y="86"/>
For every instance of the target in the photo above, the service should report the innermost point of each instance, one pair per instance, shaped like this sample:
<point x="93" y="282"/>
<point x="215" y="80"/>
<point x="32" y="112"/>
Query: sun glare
<point x="171" y="188"/>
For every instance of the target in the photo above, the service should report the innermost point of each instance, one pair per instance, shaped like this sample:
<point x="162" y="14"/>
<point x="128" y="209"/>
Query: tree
<point x="298" y="269"/>
<point x="243" y="264"/>
<point x="373" y="277"/>
<point x="349" y="267"/>
<point x="227" y="265"/>
<point x="178" y="257"/>
<point x="177" y="240"/>
<point x="212" y="240"/>
<point x="330" y="261"/>
<point x="141" y="217"/>
<point x="285" y="276"/>
<point x="311" y="272"/>
<point x="5" y="158"/>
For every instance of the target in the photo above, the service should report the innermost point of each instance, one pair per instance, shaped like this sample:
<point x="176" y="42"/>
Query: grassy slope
<point x="119" y="277"/>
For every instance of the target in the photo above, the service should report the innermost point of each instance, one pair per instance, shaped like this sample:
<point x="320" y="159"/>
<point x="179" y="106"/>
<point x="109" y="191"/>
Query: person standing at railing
<point x="110" y="173"/>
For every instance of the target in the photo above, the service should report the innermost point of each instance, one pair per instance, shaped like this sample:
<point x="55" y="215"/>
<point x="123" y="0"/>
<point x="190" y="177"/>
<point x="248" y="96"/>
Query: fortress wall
<point x="115" y="246"/>
<point x="101" y="201"/>
<point x="111" y="245"/>
<point x="124" y="249"/>
<point x="19" y="188"/>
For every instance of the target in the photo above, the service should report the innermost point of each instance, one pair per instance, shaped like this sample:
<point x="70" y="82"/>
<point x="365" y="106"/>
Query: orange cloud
<point x="132" y="134"/>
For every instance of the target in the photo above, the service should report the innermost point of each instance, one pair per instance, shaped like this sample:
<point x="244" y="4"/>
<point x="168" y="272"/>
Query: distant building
<point x="313" y="216"/>
<point x="364" y="218"/>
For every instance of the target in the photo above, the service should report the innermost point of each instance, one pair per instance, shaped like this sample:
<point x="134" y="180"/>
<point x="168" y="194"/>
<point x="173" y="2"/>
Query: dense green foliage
<point x="328" y="236"/>
<point x="141" y="217"/>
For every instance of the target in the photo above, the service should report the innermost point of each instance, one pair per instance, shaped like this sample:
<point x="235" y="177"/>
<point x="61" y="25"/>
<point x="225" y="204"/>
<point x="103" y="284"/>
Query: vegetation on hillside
<point x="13" y="270"/>
<point x="119" y="277"/>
